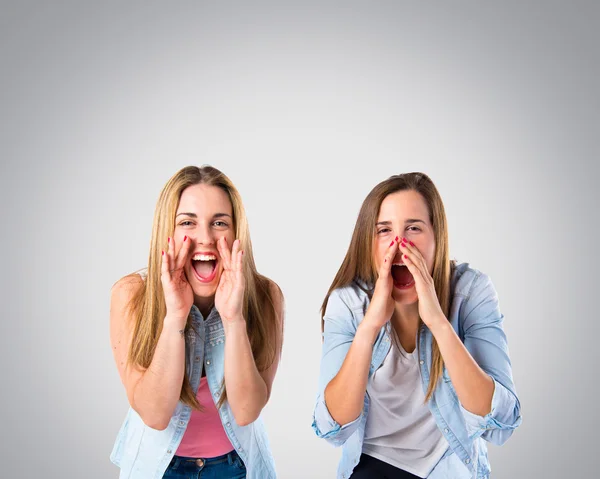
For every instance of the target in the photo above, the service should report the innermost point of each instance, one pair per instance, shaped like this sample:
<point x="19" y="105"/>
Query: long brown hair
<point x="358" y="263"/>
<point x="148" y="307"/>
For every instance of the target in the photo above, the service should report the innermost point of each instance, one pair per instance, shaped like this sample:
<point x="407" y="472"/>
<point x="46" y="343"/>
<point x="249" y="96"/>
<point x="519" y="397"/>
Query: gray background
<point x="306" y="106"/>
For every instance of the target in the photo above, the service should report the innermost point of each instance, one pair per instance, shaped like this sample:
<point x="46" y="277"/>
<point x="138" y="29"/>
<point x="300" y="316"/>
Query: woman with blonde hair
<point x="196" y="338"/>
<point x="415" y="373"/>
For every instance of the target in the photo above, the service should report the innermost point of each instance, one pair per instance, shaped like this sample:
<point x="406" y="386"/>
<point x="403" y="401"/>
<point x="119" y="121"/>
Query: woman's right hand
<point x="179" y="296"/>
<point x="381" y="307"/>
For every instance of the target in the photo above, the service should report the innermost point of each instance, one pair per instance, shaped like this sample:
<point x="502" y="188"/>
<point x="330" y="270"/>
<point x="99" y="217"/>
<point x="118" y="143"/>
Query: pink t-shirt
<point x="204" y="436"/>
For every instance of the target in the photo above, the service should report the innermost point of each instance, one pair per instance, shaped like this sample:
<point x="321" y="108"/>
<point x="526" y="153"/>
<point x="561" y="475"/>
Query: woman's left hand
<point x="229" y="297"/>
<point x="429" y="306"/>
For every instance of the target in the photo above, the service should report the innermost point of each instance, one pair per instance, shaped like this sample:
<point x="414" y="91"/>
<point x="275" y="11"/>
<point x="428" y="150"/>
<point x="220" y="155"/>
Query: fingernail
<point x="163" y="253"/>
<point x="385" y="260"/>
<point x="242" y="252"/>
<point x="391" y="243"/>
<point x="405" y="256"/>
<point x="169" y="239"/>
<point x="396" y="239"/>
<point x="184" y="238"/>
<point x="404" y="240"/>
<point x="403" y="245"/>
<point x="411" y="243"/>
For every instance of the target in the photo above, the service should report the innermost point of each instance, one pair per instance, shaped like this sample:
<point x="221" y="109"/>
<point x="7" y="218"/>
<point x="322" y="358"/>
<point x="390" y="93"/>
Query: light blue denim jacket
<point x="145" y="453"/>
<point x="475" y="316"/>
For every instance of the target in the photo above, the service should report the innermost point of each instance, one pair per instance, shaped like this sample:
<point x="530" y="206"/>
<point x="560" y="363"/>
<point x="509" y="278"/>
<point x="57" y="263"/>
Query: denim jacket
<point x="475" y="317"/>
<point x="145" y="453"/>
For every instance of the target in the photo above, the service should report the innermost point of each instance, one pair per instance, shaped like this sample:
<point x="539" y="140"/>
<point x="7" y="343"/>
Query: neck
<point x="406" y="314"/>
<point x="405" y="321"/>
<point x="204" y="305"/>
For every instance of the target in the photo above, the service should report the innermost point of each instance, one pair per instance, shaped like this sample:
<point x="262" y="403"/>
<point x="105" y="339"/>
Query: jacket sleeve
<point x="339" y="332"/>
<point x="485" y="340"/>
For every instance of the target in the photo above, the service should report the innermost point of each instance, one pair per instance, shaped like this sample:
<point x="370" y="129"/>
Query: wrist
<point x="367" y="330"/>
<point x="175" y="321"/>
<point x="439" y="326"/>
<point x="174" y="326"/>
<point x="234" y="323"/>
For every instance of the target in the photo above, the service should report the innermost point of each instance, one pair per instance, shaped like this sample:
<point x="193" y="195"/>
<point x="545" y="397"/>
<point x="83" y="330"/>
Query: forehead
<point x="402" y="205"/>
<point x="204" y="200"/>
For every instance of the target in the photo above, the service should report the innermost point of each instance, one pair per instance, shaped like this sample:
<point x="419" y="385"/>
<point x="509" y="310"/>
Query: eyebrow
<point x="194" y="215"/>
<point x="410" y="220"/>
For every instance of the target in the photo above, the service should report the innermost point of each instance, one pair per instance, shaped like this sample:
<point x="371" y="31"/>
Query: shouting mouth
<point x="403" y="278"/>
<point x="204" y="266"/>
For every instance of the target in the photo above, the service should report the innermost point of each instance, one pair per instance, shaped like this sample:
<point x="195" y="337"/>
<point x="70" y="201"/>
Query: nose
<point x="205" y="236"/>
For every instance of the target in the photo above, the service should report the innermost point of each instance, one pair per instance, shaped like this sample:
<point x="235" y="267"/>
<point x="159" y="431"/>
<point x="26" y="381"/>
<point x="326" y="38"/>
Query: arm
<point x="480" y="368"/>
<point x="346" y="358"/>
<point x="248" y="389"/>
<point x="486" y="345"/>
<point x="338" y="339"/>
<point x="153" y="392"/>
<point x="473" y="386"/>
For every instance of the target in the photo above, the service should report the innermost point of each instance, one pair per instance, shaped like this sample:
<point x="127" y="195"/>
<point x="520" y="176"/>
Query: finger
<point x="239" y="264"/>
<point x="235" y="250"/>
<point x="223" y="248"/>
<point x="412" y="263"/>
<point x="171" y="254"/>
<point x="239" y="273"/>
<point x="386" y="267"/>
<point x="183" y="253"/>
<point x="164" y="267"/>
<point x="409" y="248"/>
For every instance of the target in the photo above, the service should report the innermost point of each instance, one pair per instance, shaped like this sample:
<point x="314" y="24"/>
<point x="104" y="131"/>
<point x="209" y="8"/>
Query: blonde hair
<point x="359" y="265"/>
<point x="148" y="307"/>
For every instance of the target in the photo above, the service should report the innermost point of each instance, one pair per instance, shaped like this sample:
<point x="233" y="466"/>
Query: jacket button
<point x="446" y="430"/>
<point x="207" y="362"/>
<point x="421" y="361"/>
<point x="468" y="461"/>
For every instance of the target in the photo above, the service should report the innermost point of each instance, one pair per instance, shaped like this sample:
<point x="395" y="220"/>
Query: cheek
<point x="179" y="234"/>
<point x="380" y="248"/>
<point x="429" y="255"/>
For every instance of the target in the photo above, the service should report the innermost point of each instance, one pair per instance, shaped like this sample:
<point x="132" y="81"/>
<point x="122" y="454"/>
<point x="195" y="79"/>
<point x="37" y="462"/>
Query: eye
<point x="383" y="230"/>
<point x="413" y="228"/>
<point x="185" y="223"/>
<point x="220" y="224"/>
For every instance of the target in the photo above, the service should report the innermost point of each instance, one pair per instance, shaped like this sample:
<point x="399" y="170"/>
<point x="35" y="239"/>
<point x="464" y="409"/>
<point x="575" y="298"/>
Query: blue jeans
<point x="228" y="466"/>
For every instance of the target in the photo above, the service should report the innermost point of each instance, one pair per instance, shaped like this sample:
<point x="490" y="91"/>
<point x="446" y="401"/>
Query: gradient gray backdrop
<point x="306" y="107"/>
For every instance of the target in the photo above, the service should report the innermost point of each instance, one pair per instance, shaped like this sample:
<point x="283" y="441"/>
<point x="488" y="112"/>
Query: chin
<point x="405" y="297"/>
<point x="204" y="291"/>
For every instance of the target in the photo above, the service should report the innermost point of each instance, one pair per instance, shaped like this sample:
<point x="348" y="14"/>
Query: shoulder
<point x="352" y="297"/>
<point x="468" y="281"/>
<point x="124" y="290"/>
<point x="275" y="295"/>
<point x="475" y="297"/>
<point x="127" y="285"/>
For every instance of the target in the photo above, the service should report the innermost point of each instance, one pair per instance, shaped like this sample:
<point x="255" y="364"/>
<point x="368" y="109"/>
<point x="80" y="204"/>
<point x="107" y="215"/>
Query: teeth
<point x="204" y="257"/>
<point x="398" y="264"/>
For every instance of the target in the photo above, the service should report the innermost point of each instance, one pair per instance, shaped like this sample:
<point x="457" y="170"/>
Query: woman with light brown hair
<point x="197" y="338"/>
<point x="415" y="373"/>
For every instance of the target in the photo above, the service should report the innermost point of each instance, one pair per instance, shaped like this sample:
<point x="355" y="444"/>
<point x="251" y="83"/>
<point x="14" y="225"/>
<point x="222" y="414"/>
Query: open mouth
<point x="403" y="278"/>
<point x="204" y="266"/>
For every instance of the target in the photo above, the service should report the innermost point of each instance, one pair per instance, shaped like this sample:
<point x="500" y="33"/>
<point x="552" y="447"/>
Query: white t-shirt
<point x="400" y="429"/>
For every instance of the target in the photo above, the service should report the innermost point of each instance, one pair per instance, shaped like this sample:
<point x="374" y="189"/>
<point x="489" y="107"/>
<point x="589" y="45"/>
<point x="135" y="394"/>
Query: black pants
<point x="371" y="468"/>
